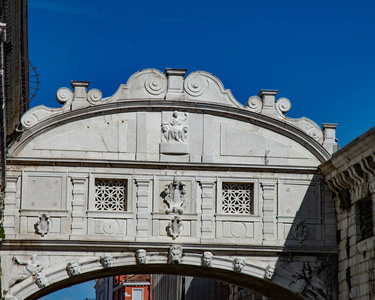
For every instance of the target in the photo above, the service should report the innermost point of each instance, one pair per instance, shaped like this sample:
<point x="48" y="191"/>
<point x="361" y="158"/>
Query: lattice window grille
<point x="237" y="198"/>
<point x="110" y="194"/>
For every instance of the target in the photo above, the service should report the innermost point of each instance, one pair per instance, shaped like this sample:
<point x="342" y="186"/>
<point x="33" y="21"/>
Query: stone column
<point x="10" y="209"/>
<point x="78" y="203"/>
<point x="143" y="214"/>
<point x="207" y="209"/>
<point x="269" y="213"/>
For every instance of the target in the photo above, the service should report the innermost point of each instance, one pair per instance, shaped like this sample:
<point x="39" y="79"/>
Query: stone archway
<point x="189" y="264"/>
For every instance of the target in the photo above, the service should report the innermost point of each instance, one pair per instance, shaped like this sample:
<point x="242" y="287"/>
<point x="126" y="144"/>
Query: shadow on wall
<point x="309" y="257"/>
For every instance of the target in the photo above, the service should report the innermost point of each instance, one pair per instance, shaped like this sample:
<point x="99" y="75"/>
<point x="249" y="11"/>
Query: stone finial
<point x="175" y="84"/>
<point x="268" y="99"/>
<point x="80" y="94"/>
<point x="329" y="137"/>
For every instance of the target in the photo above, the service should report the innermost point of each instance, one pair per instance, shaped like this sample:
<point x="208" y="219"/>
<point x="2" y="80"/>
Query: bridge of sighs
<point x="172" y="175"/>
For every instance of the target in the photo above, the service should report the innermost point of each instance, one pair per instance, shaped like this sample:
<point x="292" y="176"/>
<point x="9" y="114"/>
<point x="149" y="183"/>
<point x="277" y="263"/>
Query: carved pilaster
<point x="268" y="212"/>
<point x="143" y="213"/>
<point x="207" y="210"/>
<point x="78" y="204"/>
<point x="10" y="209"/>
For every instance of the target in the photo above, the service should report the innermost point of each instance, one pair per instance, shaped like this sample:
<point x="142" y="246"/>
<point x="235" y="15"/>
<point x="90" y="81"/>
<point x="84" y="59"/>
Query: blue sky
<point x="319" y="54"/>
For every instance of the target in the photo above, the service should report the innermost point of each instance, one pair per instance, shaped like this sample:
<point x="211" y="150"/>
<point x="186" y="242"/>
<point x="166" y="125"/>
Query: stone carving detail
<point x="174" y="255"/>
<point x="141" y="256"/>
<point x="238" y="264"/>
<point x="110" y="194"/>
<point x="174" y="227"/>
<point x="283" y="105"/>
<point x="236" y="198"/>
<point x="30" y="268"/>
<point x="254" y="104"/>
<point x="155" y="84"/>
<point x="308" y="283"/>
<point x="73" y="268"/>
<point x="195" y="85"/>
<point x="94" y="96"/>
<point x="106" y="260"/>
<point x="300" y="231"/>
<point x="40" y="280"/>
<point x="270" y="271"/>
<point x="10" y="297"/>
<point x="44" y="225"/>
<point x="174" y="130"/>
<point x="174" y="196"/>
<point x="207" y="259"/>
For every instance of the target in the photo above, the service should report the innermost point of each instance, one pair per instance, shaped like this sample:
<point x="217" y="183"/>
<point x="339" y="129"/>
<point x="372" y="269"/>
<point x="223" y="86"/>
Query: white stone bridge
<point x="175" y="167"/>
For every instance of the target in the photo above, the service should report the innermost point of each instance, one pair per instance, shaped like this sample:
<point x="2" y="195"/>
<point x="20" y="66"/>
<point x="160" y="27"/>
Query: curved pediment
<point x="161" y="117"/>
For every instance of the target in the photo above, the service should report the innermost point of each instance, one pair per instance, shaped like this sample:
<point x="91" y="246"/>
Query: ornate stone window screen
<point x="110" y="194"/>
<point x="366" y="218"/>
<point x="237" y="198"/>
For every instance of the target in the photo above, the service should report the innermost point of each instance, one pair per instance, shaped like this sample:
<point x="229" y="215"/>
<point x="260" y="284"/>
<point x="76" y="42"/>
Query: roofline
<point x="148" y="105"/>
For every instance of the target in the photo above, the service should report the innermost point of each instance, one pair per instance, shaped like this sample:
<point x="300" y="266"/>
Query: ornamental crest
<point x="174" y="197"/>
<point x="43" y="226"/>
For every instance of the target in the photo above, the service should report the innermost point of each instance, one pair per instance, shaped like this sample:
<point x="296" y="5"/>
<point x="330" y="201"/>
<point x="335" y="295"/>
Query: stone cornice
<point x="147" y="105"/>
<point x="222" y="249"/>
<point x="90" y="163"/>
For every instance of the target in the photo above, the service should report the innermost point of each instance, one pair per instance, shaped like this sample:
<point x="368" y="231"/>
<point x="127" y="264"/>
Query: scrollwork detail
<point x="94" y="96"/>
<point x="155" y="85"/>
<point x="64" y="95"/>
<point x="254" y="104"/>
<point x="283" y="105"/>
<point x="195" y="85"/>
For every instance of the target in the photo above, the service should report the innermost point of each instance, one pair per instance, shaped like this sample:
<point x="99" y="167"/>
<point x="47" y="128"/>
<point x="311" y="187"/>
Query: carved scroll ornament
<point x="174" y="196"/>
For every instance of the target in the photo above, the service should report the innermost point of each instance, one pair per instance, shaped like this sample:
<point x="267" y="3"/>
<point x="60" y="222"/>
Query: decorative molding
<point x="238" y="264"/>
<point x="141" y="256"/>
<point x="43" y="225"/>
<point x="174" y="227"/>
<point x="300" y="231"/>
<point x="73" y="268"/>
<point x="174" y="255"/>
<point x="106" y="260"/>
<point x="207" y="259"/>
<point x="174" y="197"/>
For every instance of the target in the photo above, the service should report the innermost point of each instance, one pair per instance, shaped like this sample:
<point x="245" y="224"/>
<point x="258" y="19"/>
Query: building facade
<point x="350" y="175"/>
<point x="170" y="174"/>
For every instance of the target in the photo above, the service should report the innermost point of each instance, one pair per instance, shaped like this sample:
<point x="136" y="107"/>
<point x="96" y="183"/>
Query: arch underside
<point x="221" y="270"/>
